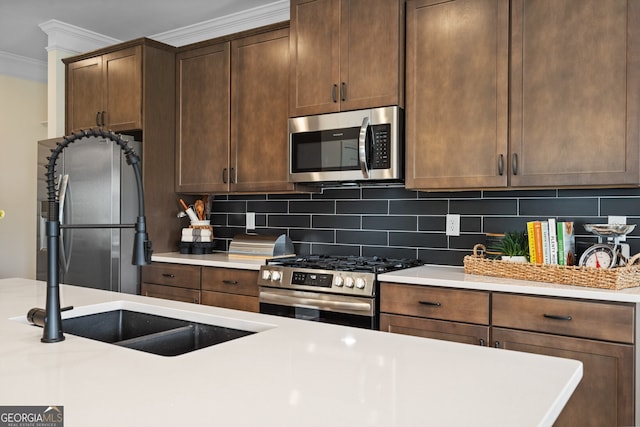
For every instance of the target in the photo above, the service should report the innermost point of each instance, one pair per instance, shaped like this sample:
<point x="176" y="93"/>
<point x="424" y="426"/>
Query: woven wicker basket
<point x="603" y="278"/>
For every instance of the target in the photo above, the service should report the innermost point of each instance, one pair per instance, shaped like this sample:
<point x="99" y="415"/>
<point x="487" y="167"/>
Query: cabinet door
<point x="575" y="92"/>
<point x="242" y="282"/>
<point x="170" y="292"/>
<point x="259" y="112"/>
<point x="122" y="72"/>
<point x="605" y="396"/>
<point x="456" y="115"/>
<point x="181" y="276"/>
<point x="315" y="57"/>
<point x="437" y="329"/>
<point x="371" y="54"/>
<point x="202" y="122"/>
<point x="232" y="301"/>
<point x="84" y="94"/>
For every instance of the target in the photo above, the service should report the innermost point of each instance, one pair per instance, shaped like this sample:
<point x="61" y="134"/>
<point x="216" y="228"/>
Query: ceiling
<point x="121" y="19"/>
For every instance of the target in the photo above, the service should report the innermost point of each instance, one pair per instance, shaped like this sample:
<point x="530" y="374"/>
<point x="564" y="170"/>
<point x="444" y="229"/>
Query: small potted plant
<point x="513" y="247"/>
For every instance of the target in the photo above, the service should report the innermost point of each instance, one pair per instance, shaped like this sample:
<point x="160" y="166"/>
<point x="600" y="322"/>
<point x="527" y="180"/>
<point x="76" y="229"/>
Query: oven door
<point x="325" y="308"/>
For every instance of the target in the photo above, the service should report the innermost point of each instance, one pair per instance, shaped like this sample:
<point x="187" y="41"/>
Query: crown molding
<point x="22" y="67"/>
<point x="271" y="13"/>
<point x="69" y="38"/>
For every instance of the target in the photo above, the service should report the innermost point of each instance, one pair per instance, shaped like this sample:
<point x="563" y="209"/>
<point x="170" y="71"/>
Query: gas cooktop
<point x="346" y="263"/>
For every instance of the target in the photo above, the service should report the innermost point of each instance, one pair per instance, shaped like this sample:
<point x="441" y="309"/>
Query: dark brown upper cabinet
<point x="346" y="55"/>
<point x="575" y="93"/>
<point x="203" y="91"/>
<point x="130" y="88"/>
<point x="456" y="115"/>
<point x="105" y="91"/>
<point x="522" y="94"/>
<point x="232" y="133"/>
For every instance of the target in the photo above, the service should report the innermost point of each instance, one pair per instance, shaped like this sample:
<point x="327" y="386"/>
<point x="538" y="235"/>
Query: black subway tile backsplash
<point x="362" y="207"/>
<point x="418" y="207"/>
<point x="337" y="221"/>
<point x="293" y="220"/>
<point x="312" y="206"/>
<point x="390" y="222"/>
<point x="543" y="207"/>
<point x="362" y="237"/>
<point x="399" y="223"/>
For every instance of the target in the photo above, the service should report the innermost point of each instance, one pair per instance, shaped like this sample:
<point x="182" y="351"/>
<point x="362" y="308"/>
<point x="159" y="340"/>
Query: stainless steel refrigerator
<point x="96" y="186"/>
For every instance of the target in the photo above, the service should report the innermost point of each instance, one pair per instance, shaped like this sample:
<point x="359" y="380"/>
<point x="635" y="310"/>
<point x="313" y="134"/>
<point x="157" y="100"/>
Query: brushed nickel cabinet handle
<point x="230" y="282"/>
<point x="169" y="275"/>
<point x="500" y="165"/>
<point x="334" y="93"/>
<point x="514" y="164"/>
<point x="343" y="91"/>
<point x="224" y="175"/>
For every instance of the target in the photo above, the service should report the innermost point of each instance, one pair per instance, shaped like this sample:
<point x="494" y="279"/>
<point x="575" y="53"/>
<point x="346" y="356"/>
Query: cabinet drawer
<point x="436" y="329"/>
<point x="170" y="292"/>
<point x="435" y="303"/>
<point x="588" y="319"/>
<point x="233" y="301"/>
<point x="184" y="276"/>
<point x="241" y="282"/>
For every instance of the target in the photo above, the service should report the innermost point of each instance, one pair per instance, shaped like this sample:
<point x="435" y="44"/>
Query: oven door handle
<point x="363" y="157"/>
<point x="338" y="306"/>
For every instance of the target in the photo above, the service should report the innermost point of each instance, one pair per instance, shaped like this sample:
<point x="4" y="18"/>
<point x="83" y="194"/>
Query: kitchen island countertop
<point x="292" y="373"/>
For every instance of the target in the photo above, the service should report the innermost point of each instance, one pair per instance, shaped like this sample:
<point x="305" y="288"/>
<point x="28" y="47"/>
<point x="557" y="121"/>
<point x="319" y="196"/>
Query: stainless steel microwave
<point x="362" y="145"/>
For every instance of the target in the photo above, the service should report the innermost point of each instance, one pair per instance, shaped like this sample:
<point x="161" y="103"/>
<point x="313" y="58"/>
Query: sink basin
<point x="149" y="332"/>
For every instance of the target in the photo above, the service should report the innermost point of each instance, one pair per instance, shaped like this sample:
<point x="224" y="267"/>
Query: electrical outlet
<point x="453" y="225"/>
<point x="251" y="221"/>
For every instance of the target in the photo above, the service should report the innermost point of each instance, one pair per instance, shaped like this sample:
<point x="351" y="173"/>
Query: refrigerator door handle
<point x="64" y="192"/>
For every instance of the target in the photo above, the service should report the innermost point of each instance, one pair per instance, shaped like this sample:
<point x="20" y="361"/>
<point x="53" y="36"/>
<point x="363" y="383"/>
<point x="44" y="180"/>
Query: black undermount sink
<point x="149" y="332"/>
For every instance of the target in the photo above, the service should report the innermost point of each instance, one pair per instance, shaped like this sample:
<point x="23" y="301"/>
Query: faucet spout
<point x="52" y="331"/>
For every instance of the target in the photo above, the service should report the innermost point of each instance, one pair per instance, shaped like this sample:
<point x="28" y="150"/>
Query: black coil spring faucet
<point x="141" y="246"/>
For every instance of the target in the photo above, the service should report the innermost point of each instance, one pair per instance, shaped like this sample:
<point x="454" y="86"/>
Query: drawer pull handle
<point x="430" y="303"/>
<point x="557" y="317"/>
<point x="169" y="275"/>
<point x="496" y="344"/>
<point x="482" y="343"/>
<point x="230" y="282"/>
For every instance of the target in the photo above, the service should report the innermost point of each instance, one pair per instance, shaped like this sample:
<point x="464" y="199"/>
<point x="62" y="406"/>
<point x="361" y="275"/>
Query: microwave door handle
<point x="362" y="147"/>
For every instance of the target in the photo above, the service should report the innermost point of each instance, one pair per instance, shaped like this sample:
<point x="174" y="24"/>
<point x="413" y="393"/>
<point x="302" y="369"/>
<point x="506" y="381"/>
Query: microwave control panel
<point x="381" y="145"/>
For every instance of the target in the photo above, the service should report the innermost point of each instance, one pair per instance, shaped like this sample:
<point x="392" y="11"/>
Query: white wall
<point x="23" y="115"/>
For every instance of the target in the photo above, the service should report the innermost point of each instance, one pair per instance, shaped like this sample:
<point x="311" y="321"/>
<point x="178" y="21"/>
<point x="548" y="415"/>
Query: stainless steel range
<point x="324" y="288"/>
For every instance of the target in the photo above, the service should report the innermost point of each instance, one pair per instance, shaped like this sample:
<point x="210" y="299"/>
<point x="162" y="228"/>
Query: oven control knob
<point x="276" y="276"/>
<point x="360" y="283"/>
<point x="266" y="275"/>
<point x="348" y="282"/>
<point x="339" y="281"/>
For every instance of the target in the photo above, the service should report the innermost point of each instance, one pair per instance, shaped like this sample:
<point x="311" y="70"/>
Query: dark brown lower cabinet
<point x="171" y="292"/>
<point x="599" y="334"/>
<point x="605" y="396"/>
<point x="230" y="288"/>
<point x="436" y="329"/>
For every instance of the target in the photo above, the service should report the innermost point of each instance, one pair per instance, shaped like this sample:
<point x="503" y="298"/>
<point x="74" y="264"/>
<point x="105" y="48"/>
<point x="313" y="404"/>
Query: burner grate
<point x="347" y="263"/>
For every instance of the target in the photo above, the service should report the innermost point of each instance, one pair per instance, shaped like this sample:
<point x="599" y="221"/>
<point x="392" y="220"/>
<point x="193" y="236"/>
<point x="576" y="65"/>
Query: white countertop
<point x="293" y="373"/>
<point x="455" y="277"/>
<point x="220" y="259"/>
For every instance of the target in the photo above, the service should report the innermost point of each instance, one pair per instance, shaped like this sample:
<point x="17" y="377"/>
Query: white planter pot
<point x="520" y="258"/>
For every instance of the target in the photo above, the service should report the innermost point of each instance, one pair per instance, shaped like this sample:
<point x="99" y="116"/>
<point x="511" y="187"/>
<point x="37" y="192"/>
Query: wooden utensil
<point x="199" y="208"/>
